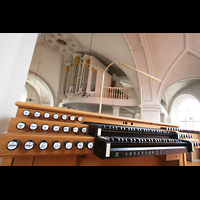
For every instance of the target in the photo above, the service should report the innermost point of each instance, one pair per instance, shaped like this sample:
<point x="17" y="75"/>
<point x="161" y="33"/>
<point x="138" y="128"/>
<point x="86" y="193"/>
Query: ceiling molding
<point x="60" y="43"/>
<point x="162" y="87"/>
<point x="141" y="55"/>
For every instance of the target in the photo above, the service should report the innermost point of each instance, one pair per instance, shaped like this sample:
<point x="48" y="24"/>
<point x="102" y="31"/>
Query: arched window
<point x="189" y="114"/>
<point x="186" y="112"/>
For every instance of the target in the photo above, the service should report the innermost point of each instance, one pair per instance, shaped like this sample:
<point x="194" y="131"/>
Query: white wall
<point x="16" y="50"/>
<point x="49" y="69"/>
<point x="32" y="93"/>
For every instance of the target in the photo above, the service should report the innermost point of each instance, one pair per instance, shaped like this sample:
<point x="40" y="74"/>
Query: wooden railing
<point x="119" y="93"/>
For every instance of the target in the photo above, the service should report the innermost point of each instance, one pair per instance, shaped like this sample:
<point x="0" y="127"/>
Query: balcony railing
<point x="119" y="93"/>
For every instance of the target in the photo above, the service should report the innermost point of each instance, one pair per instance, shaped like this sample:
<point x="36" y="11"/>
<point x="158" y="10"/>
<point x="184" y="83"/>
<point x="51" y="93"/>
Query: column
<point x="116" y="110"/>
<point x="162" y="117"/>
<point x="151" y="113"/>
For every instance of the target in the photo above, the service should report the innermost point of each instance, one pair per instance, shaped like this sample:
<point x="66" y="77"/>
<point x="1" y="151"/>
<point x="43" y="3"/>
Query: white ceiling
<point x="170" y="57"/>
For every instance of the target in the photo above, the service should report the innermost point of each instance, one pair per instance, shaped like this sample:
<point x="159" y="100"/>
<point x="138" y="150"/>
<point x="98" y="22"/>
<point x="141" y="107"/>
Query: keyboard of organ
<point x="40" y="130"/>
<point x="113" y="141"/>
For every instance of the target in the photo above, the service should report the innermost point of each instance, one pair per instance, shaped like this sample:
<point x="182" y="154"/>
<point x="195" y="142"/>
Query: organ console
<point x="45" y="135"/>
<point x="112" y="141"/>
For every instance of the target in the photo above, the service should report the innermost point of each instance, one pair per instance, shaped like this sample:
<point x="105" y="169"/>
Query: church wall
<point x="49" y="69"/>
<point x="16" y="52"/>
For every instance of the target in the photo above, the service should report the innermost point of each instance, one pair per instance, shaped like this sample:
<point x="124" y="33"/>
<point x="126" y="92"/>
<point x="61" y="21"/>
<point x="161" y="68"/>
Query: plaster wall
<point x="16" y="50"/>
<point x="49" y="69"/>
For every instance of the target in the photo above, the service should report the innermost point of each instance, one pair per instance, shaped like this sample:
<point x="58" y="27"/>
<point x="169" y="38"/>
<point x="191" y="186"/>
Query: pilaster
<point x="151" y="113"/>
<point x="116" y="110"/>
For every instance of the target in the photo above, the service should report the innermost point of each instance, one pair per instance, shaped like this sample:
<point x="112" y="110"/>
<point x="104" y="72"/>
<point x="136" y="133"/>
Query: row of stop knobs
<point x="28" y="145"/>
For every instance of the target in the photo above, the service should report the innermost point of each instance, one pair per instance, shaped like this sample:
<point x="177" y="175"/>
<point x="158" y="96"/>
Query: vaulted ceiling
<point x="168" y="56"/>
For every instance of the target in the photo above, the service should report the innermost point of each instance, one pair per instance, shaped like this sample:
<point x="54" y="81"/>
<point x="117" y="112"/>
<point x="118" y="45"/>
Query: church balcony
<point x="81" y="87"/>
<point x="112" y="96"/>
<point x="119" y="93"/>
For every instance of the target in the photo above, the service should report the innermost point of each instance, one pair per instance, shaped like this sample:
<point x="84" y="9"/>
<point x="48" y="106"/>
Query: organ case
<point x="94" y="139"/>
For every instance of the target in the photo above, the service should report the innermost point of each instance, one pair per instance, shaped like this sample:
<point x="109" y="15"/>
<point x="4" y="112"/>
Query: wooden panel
<point x="172" y="163"/>
<point x="184" y="159"/>
<point x="181" y="160"/>
<point x="193" y="163"/>
<point x="6" y="161"/>
<point x="24" y="161"/>
<point x="170" y="157"/>
<point x="196" y="154"/>
<point x="92" y="160"/>
<point x="69" y="160"/>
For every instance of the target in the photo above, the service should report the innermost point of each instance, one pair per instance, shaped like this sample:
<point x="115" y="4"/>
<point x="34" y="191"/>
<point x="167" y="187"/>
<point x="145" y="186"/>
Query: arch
<point x="41" y="88"/>
<point x="184" y="112"/>
<point x="186" y="87"/>
<point x="186" y="66"/>
<point x="181" y="89"/>
<point x="106" y="60"/>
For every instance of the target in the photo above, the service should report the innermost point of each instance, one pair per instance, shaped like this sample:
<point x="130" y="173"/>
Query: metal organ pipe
<point x="65" y="86"/>
<point x="84" y="76"/>
<point x="76" y="77"/>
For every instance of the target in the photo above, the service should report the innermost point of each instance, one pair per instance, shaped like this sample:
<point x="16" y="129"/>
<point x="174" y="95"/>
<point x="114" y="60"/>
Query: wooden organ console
<point x="42" y="135"/>
<point x="194" y="138"/>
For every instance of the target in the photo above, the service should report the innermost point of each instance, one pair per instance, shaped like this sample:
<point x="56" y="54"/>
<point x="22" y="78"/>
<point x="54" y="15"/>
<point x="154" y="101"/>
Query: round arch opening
<point x="185" y="111"/>
<point x="37" y="91"/>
